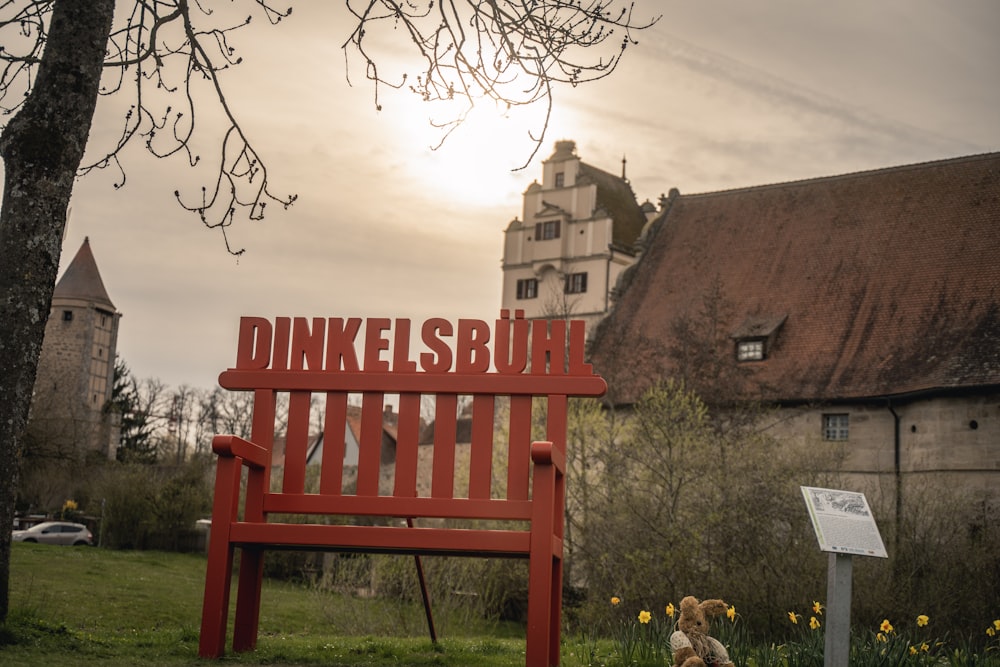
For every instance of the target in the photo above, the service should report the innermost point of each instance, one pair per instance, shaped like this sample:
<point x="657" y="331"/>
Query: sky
<point x="719" y="94"/>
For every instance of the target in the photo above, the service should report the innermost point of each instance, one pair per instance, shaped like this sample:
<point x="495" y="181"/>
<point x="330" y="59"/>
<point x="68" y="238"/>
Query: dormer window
<point x="560" y="179"/>
<point x="750" y="350"/>
<point x="756" y="336"/>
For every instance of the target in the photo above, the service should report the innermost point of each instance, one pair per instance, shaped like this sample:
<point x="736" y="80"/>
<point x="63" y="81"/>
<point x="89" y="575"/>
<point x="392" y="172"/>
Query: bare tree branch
<point x="505" y="51"/>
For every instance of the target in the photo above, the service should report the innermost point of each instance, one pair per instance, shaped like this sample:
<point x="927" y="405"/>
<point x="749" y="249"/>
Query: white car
<point x="55" y="532"/>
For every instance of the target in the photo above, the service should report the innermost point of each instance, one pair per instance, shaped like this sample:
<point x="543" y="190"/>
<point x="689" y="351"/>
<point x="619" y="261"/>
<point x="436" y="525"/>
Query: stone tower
<point x="69" y="416"/>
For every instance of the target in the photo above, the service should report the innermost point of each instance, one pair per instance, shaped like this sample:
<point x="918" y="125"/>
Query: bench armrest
<point x="232" y="446"/>
<point x="544" y="452"/>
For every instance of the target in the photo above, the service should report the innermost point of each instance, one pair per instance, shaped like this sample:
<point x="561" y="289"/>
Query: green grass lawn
<point x="72" y="606"/>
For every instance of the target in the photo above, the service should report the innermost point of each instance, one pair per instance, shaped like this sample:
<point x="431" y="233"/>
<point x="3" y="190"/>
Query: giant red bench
<point x="530" y="368"/>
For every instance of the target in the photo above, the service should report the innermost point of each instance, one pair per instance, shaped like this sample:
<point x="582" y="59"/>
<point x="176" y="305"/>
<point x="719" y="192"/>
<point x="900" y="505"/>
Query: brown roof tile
<point x="889" y="280"/>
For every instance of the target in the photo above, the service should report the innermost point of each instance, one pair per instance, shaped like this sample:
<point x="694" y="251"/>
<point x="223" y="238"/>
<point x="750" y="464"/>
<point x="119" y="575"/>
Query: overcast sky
<point x="720" y="94"/>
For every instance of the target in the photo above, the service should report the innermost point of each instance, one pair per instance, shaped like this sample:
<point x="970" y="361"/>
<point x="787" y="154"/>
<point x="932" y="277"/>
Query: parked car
<point x="55" y="532"/>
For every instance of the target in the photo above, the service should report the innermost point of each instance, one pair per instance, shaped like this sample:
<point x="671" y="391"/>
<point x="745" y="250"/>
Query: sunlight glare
<point x="476" y="163"/>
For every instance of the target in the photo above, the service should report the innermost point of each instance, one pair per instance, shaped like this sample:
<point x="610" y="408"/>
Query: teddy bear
<point x="690" y="643"/>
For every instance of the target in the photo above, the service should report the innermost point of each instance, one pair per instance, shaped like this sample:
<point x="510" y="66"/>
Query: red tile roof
<point x="888" y="280"/>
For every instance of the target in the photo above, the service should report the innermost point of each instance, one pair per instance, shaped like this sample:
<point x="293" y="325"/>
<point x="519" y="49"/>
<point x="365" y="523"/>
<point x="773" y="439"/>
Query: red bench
<point x="535" y="365"/>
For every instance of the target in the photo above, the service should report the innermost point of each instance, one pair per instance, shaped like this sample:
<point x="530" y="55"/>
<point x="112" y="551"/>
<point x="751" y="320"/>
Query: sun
<point x="479" y="161"/>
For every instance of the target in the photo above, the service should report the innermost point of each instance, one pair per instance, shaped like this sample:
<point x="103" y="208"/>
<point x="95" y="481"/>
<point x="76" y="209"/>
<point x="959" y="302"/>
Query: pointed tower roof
<point x="82" y="280"/>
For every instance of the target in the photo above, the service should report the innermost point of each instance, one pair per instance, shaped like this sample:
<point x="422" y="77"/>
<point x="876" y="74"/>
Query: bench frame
<point x="542" y="464"/>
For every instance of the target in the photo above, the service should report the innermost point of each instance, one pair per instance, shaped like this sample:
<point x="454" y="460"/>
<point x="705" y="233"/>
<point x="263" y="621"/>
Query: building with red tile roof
<point x="866" y="305"/>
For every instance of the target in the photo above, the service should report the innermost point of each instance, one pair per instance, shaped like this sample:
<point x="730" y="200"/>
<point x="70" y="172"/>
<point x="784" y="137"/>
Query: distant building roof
<point x="870" y="284"/>
<point x="616" y="197"/>
<point x="82" y="280"/>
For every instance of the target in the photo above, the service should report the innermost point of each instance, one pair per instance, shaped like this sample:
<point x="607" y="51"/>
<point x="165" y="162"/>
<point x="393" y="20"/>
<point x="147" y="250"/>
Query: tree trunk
<point x="42" y="147"/>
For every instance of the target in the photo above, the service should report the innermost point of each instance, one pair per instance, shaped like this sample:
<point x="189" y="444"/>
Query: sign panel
<point x="843" y="522"/>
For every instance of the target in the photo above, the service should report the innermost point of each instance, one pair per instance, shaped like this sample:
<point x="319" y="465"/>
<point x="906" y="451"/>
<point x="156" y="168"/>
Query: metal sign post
<point x="845" y="527"/>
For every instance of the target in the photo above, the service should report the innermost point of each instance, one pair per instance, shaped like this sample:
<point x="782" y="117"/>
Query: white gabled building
<point x="577" y="234"/>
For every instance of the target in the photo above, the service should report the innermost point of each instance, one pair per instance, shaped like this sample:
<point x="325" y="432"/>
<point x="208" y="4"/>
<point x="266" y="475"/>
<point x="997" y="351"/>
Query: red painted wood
<point x="439" y="508"/>
<point x="407" y="439"/>
<point x="556" y="433"/>
<point x="427" y="383"/>
<point x="443" y="474"/>
<point x="219" y="570"/>
<point x="542" y="561"/>
<point x="247" y="618"/>
<point x="401" y="539"/>
<point x="371" y="444"/>
<point x="232" y="446"/>
<point x="296" y="442"/>
<point x="535" y="471"/>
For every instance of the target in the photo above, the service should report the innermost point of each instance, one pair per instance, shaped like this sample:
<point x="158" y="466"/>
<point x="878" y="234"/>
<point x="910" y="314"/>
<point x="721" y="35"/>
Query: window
<point x="527" y="288"/>
<point x="545" y="231"/>
<point x="750" y="350"/>
<point x="67" y="316"/>
<point x="560" y="179"/>
<point x="835" y="427"/>
<point x="576" y="283"/>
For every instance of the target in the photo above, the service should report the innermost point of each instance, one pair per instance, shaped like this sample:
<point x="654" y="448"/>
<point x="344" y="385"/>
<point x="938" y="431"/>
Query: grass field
<point x="88" y="606"/>
<point x="80" y="606"/>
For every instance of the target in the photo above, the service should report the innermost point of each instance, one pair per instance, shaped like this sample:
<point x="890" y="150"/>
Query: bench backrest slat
<point x="262" y="434"/>
<point x="296" y="442"/>
<point x="445" y="430"/>
<point x="369" y="457"/>
<point x="407" y="441"/>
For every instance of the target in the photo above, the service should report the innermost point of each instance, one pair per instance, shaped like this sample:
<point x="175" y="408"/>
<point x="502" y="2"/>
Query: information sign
<point x="843" y="522"/>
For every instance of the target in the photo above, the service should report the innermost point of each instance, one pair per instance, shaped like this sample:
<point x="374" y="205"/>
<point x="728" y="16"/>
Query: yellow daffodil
<point x="922" y="620"/>
<point x="814" y="623"/>
<point x="996" y="624"/>
<point x="817" y="608"/>
<point x="615" y="601"/>
<point x="793" y="617"/>
<point x="886" y="626"/>
<point x="913" y="650"/>
<point x="670" y="610"/>
<point x="731" y="613"/>
<point x="644" y="616"/>
<point x="924" y="647"/>
<point x="881" y="637"/>
<point x="990" y="631"/>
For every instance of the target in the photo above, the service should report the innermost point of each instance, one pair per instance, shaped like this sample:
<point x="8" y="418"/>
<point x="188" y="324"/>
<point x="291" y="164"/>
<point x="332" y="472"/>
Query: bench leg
<point x="544" y="608"/>
<point x="215" y="608"/>
<point x="556" y="610"/>
<point x="248" y="600"/>
<point x="219" y="570"/>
